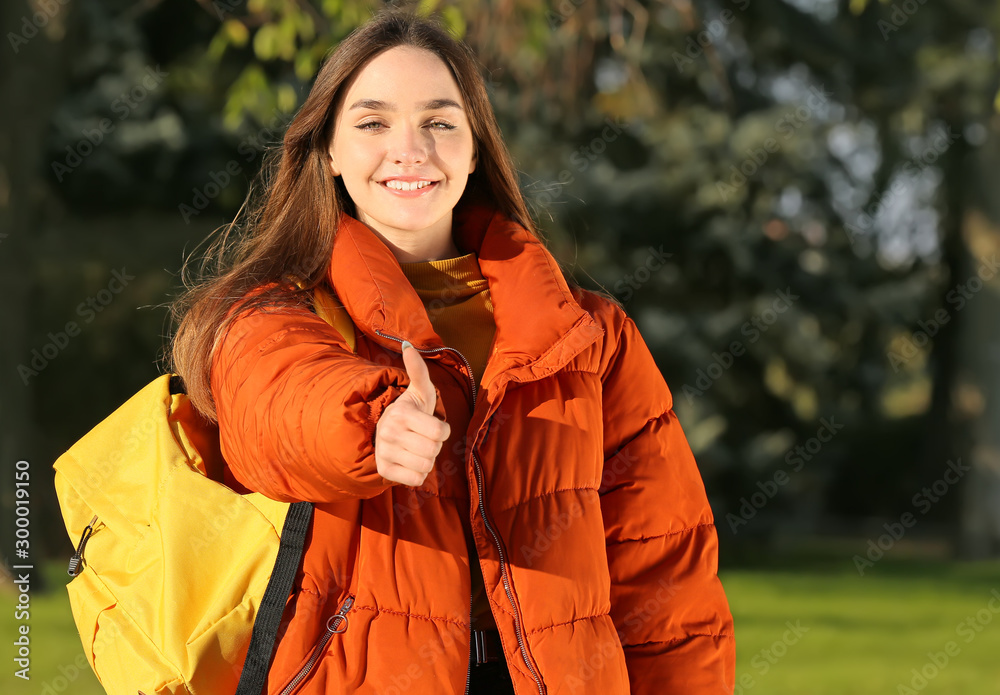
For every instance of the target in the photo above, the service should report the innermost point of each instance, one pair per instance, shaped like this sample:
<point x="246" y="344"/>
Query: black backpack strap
<point x="272" y="606"/>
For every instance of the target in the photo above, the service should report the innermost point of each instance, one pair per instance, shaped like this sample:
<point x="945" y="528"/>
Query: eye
<point x="365" y="125"/>
<point x="442" y="124"/>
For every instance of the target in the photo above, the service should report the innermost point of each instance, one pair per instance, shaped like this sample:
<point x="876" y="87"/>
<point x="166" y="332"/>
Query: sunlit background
<point x="797" y="201"/>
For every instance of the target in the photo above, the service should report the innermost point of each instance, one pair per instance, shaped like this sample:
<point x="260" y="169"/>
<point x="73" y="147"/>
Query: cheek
<point x="459" y="155"/>
<point x="356" y="160"/>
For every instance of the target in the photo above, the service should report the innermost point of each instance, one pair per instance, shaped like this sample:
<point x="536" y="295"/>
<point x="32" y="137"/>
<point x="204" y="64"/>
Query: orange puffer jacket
<point x="568" y="467"/>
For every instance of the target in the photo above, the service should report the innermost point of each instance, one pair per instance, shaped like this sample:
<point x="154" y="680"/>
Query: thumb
<point x="421" y="388"/>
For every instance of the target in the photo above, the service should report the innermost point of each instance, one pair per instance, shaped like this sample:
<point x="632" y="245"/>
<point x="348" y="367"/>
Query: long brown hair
<point x="289" y="230"/>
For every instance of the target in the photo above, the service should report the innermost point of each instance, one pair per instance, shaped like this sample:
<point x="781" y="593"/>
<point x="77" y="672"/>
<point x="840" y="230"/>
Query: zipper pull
<point x="332" y="624"/>
<point x="332" y="628"/>
<point x="76" y="560"/>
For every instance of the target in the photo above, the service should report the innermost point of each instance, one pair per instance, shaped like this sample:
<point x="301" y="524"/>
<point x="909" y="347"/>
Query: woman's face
<point x="403" y="145"/>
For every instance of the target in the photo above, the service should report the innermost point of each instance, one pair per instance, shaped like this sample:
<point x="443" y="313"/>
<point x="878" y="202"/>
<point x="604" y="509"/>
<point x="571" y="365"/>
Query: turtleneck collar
<point x="455" y="277"/>
<point x="540" y="325"/>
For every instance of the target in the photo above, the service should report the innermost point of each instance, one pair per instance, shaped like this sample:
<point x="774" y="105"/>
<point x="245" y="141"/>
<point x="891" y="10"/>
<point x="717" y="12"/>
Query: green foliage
<point x="288" y="41"/>
<point x="755" y="147"/>
<point x="454" y="20"/>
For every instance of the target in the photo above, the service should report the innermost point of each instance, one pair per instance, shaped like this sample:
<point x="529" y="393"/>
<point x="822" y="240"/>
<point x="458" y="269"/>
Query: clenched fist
<point x="408" y="437"/>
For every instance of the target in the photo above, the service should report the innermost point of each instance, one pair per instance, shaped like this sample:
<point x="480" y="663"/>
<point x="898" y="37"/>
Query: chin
<point x="411" y="223"/>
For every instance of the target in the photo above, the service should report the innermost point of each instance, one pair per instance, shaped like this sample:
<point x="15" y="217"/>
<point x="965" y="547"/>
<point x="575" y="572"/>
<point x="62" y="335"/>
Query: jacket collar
<point x="540" y="325"/>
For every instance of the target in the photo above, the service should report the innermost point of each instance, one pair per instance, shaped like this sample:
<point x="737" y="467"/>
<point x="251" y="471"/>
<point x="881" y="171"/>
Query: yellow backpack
<point x="179" y="585"/>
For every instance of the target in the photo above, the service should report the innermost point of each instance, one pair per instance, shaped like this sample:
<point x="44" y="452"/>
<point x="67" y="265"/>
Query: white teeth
<point x="407" y="186"/>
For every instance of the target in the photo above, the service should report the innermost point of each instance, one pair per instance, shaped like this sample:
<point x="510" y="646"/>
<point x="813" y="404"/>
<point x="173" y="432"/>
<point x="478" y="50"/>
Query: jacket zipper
<point x="503" y="576"/>
<point x="489" y="527"/>
<point x="334" y="626"/>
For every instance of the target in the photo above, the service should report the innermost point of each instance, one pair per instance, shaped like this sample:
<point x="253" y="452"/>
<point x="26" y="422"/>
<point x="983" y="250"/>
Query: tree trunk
<point x="977" y="394"/>
<point x="33" y="64"/>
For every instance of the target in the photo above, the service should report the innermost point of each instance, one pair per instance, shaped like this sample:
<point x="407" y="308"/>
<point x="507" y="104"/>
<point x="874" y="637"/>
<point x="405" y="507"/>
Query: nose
<point x="408" y="146"/>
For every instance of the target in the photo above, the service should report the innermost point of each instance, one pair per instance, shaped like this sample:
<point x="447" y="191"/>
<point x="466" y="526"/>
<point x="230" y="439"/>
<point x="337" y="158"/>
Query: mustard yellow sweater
<point x="457" y="299"/>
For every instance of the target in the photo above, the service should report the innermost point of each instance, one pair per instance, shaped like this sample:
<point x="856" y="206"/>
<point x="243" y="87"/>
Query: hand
<point x="408" y="437"/>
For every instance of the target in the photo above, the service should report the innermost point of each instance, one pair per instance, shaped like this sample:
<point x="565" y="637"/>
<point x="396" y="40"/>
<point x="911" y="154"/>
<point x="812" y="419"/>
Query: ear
<point x="472" y="166"/>
<point x="333" y="164"/>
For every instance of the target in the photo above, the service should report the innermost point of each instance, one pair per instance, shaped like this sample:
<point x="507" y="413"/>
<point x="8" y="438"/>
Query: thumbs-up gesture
<point x="408" y="437"/>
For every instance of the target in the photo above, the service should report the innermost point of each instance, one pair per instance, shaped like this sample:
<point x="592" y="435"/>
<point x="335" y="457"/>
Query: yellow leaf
<point x="454" y="20"/>
<point x="777" y="379"/>
<point x="236" y="31"/>
<point x="232" y="119"/>
<point x="264" y="42"/>
<point x="306" y="26"/>
<point x="907" y="399"/>
<point x="285" y="38"/>
<point x="217" y="47"/>
<point x="287" y="98"/>
<point x="805" y="402"/>
<point x="426" y="7"/>
<point x="331" y="8"/>
<point x="304" y="65"/>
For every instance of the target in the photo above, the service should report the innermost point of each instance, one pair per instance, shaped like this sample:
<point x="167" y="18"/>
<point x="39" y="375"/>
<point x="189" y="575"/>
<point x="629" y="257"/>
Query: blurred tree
<point x="975" y="390"/>
<point x="808" y="150"/>
<point x="37" y="69"/>
<point x="779" y="193"/>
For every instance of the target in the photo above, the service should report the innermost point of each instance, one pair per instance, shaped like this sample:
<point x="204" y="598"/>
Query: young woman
<point x="505" y="501"/>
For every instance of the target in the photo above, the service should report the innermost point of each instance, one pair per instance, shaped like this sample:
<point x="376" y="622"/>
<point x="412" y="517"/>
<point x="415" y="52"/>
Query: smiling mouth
<point x="406" y="186"/>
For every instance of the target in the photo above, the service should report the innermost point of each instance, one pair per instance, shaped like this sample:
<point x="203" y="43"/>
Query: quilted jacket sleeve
<point x="667" y="602"/>
<point x="297" y="409"/>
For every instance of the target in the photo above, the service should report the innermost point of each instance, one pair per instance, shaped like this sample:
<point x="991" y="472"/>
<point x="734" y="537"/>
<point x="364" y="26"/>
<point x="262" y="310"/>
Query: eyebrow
<point x="379" y="105"/>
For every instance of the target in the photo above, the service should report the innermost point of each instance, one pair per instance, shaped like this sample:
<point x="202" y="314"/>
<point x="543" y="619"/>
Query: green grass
<point x="56" y="651"/>
<point x="864" y="635"/>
